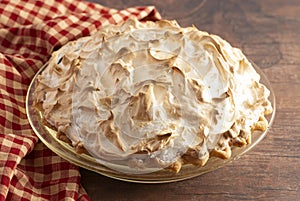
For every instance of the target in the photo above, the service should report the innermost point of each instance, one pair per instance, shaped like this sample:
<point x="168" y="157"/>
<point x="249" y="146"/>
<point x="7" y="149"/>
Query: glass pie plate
<point x="48" y="136"/>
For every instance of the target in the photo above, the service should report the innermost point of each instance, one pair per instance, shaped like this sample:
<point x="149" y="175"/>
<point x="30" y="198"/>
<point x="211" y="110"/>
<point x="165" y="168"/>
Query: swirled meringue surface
<point x="152" y="95"/>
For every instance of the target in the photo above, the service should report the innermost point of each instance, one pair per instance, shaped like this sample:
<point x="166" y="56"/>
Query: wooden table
<point x="268" y="32"/>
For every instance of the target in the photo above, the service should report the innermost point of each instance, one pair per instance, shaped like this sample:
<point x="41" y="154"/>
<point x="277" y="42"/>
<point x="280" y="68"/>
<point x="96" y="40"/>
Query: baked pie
<point x="152" y="96"/>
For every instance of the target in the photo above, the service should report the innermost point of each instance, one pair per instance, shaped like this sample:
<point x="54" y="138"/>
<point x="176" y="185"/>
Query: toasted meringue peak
<point x="152" y="95"/>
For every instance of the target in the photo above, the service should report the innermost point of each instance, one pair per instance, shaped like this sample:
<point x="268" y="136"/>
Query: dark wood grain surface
<point x="268" y="32"/>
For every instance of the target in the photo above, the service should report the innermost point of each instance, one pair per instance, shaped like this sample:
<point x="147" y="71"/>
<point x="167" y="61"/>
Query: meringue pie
<point x="152" y="95"/>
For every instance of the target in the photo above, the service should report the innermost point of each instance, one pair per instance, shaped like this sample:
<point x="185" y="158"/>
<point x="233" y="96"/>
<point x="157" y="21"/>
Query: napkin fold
<point x="30" y="30"/>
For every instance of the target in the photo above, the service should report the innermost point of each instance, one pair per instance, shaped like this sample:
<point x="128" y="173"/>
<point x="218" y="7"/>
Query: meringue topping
<point x="149" y="95"/>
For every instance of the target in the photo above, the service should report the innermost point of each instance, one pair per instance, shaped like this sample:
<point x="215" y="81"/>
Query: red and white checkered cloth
<point x="30" y="31"/>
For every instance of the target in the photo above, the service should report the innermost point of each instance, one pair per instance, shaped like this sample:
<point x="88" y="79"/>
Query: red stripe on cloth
<point x="2" y="121"/>
<point x="10" y="164"/>
<point x="5" y="180"/>
<point x="9" y="98"/>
